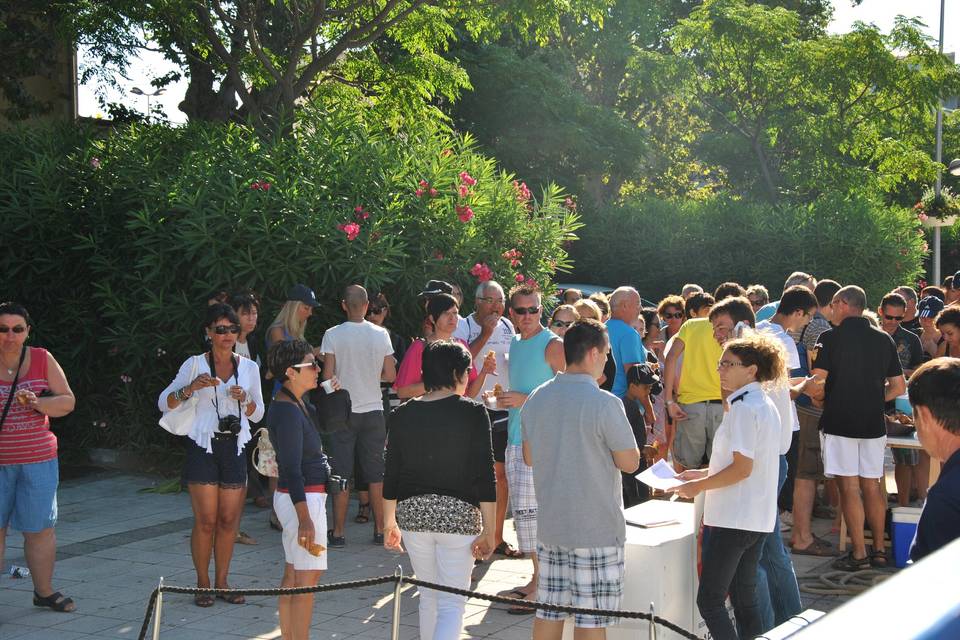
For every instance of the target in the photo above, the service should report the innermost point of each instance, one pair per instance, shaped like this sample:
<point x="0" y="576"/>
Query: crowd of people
<point x="775" y="410"/>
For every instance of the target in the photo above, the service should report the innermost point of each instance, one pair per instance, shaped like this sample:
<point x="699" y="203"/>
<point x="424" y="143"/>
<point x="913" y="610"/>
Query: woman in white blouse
<point x="740" y="505"/>
<point x="227" y="388"/>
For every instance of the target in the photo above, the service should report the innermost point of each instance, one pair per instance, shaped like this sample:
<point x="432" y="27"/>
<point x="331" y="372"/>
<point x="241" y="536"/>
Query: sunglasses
<point x="17" y="329"/>
<point x="307" y="365"/>
<point x="522" y="311"/>
<point x="376" y="310"/>
<point x="560" y="324"/>
<point x="224" y="329"/>
<point x="672" y="316"/>
<point x="897" y="318"/>
<point x="726" y="364"/>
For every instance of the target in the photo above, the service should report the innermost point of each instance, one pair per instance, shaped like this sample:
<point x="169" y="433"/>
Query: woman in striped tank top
<point x="33" y="389"/>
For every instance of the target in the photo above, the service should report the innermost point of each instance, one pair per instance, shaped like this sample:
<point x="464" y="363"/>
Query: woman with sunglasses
<point x="33" y="389"/>
<point x="227" y="388"/>
<point x="671" y="312"/>
<point x="444" y="314"/>
<point x="563" y="318"/>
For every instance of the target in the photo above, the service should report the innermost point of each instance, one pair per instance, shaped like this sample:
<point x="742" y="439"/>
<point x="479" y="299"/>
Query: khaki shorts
<point x="694" y="439"/>
<point x="809" y="457"/>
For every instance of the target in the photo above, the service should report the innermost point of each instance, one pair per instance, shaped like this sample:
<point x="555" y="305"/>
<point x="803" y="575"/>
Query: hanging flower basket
<point x="938" y="210"/>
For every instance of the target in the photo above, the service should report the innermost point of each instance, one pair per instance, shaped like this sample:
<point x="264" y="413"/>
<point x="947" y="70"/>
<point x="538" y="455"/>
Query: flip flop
<point x="504" y="549"/>
<point x="203" y="600"/>
<point x="232" y="598"/>
<point x="244" y="538"/>
<point x="520" y="610"/>
<point x="513" y="593"/>
<point x="819" y="547"/>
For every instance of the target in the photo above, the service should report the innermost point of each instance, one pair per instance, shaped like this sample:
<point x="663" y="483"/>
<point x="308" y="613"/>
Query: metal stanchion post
<point x="653" y="625"/>
<point x="395" y="630"/>
<point x="156" y="614"/>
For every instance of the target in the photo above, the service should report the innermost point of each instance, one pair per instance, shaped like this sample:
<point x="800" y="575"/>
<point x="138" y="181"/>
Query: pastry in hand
<point x="315" y="548"/>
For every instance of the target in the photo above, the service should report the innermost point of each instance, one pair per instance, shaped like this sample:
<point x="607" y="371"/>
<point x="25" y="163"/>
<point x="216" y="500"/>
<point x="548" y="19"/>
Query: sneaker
<point x="335" y="542"/>
<point x="786" y="520"/>
<point x="378" y="538"/>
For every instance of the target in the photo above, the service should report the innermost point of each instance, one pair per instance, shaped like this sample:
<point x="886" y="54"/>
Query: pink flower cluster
<point x="260" y="186"/>
<point x="523" y="193"/>
<point x="466" y="181"/>
<point x="424" y="187"/>
<point x="352" y="229"/>
<point x="464" y="212"/>
<point x="481" y="272"/>
<point x="360" y="213"/>
<point x="513" y="256"/>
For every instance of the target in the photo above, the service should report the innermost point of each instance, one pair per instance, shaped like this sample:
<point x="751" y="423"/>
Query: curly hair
<point x="671" y="301"/>
<point x="285" y="354"/>
<point x="764" y="351"/>
<point x="949" y="315"/>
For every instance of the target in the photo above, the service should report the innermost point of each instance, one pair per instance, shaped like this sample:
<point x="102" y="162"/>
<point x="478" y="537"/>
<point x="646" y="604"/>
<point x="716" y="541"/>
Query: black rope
<point x="335" y="586"/>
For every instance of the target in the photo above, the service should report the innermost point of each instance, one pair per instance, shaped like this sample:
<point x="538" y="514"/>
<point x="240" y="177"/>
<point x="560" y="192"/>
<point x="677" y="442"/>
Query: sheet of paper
<point x="660" y="476"/>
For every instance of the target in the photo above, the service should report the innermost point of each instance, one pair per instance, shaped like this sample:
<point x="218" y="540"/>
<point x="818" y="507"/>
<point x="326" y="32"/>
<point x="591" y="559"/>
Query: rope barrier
<point x="399" y="580"/>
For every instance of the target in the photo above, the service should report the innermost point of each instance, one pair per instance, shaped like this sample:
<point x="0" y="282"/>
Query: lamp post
<point x="137" y="91"/>
<point x="939" y="184"/>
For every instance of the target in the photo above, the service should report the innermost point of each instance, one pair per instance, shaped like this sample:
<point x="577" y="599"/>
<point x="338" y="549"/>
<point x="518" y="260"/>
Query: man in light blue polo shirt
<point x="625" y="343"/>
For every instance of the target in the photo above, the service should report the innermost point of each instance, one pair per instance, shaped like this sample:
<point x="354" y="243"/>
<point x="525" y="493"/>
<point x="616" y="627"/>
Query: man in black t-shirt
<point x="910" y="320"/>
<point x="860" y="370"/>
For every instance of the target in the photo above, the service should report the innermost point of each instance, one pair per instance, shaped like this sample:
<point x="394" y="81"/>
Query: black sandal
<point x="54" y="601"/>
<point x="203" y="600"/>
<point x="849" y="563"/>
<point x="504" y="549"/>
<point x="878" y="559"/>
<point x="363" y="514"/>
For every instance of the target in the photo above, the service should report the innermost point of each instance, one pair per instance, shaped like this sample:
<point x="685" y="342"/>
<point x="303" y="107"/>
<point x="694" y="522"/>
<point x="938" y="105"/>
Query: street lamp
<point x="137" y="91"/>
<point x="939" y="184"/>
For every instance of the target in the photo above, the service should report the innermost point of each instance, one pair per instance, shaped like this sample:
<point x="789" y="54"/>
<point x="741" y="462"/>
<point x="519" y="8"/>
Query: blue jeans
<point x="777" y="593"/>
<point x="730" y="558"/>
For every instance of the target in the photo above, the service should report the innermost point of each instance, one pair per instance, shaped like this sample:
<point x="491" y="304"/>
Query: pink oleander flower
<point x="352" y="229"/>
<point x="433" y="192"/>
<point x="463" y="190"/>
<point x="424" y="184"/>
<point x="95" y="162"/>
<point x="465" y="213"/>
<point x="519" y="277"/>
<point x="437" y="255"/>
<point x="923" y="217"/>
<point x="260" y="186"/>
<point x="467" y="179"/>
<point x="419" y="193"/>
<point x="481" y="272"/>
<point x="530" y="282"/>
<point x="523" y="193"/>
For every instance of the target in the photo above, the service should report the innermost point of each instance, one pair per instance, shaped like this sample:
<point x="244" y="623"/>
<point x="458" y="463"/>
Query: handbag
<point x="264" y="456"/>
<point x="332" y="409"/>
<point x="179" y="421"/>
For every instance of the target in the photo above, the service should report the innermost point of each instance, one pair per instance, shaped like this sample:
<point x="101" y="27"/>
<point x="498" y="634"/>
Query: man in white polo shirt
<point x="485" y="330"/>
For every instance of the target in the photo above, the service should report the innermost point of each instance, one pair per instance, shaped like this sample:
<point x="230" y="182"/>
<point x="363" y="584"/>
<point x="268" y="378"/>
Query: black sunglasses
<point x="223" y="329"/>
<point x="522" y="311"/>
<point x="376" y="310"/>
<point x="561" y="323"/>
<point x="668" y="316"/>
<point x="897" y="318"/>
<point x="17" y="329"/>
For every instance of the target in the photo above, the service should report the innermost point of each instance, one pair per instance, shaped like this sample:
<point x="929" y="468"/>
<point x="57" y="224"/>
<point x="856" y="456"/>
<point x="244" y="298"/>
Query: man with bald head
<point x="626" y="346"/>
<point x="360" y="355"/>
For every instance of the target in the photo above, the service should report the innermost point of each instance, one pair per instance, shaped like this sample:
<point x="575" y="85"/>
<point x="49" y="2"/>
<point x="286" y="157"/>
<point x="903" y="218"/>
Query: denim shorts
<point x="224" y="467"/>
<point x="28" y="495"/>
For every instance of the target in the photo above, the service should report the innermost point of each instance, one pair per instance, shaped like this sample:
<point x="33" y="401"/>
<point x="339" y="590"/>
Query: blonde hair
<point x="289" y="319"/>
<point x="569" y="308"/>
<point x="588" y="309"/>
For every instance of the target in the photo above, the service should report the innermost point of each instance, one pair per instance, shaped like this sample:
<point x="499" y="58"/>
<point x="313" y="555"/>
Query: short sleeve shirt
<point x="498" y="342"/>
<point x="699" y="381"/>
<point x="768" y="310"/>
<point x="858" y="358"/>
<point x="781" y="395"/>
<point x="625" y="347"/>
<point x="909" y="348"/>
<point x="359" y="349"/>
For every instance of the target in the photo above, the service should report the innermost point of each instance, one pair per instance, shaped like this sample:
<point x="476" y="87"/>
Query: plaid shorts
<point x="591" y="577"/>
<point x="523" y="500"/>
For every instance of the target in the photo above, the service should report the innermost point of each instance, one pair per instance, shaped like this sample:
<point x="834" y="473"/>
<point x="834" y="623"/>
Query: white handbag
<point x="179" y="421"/>
<point x="264" y="455"/>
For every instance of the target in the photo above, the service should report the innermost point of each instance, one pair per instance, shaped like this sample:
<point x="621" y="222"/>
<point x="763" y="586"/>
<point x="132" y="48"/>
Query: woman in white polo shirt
<point x="741" y="486"/>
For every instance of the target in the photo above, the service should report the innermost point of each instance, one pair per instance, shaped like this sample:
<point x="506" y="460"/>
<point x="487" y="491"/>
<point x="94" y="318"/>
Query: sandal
<point x="504" y="549"/>
<point x="520" y="610"/>
<point x="878" y="559"/>
<point x="849" y="563"/>
<point x="513" y="593"/>
<point x="244" y="538"/>
<point x="231" y="598"/>
<point x="363" y="513"/>
<point x="203" y="600"/>
<point x="819" y="547"/>
<point x="54" y="601"/>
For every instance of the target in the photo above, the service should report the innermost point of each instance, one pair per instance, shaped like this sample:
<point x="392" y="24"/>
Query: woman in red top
<point x="33" y="389"/>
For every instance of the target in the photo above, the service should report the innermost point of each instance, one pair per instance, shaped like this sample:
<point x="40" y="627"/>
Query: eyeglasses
<point x="17" y="329"/>
<point x="307" y="365"/>
<point x="223" y="329"/>
<point x="726" y="364"/>
<point x="897" y="318"/>
<point x="490" y="300"/>
<point x="522" y="311"/>
<point x="561" y="324"/>
<point x="672" y="316"/>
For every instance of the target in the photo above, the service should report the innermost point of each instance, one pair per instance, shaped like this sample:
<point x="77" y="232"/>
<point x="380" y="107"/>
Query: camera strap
<point x="298" y="402"/>
<point x="13" y="386"/>
<point x="236" y="376"/>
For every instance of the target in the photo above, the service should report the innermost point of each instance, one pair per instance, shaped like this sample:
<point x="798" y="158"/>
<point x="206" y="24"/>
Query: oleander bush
<point x="113" y="238"/>
<point x="658" y="245"/>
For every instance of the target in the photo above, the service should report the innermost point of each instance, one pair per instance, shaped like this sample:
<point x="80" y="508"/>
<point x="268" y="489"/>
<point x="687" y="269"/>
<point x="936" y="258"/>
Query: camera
<point x="336" y="484"/>
<point x="229" y="424"/>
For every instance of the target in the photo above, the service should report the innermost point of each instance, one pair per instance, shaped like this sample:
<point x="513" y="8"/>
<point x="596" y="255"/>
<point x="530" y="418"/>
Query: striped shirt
<point x="25" y="437"/>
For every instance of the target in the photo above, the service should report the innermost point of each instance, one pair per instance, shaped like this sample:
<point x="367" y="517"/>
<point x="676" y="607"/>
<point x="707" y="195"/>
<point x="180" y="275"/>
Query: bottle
<point x="19" y="572"/>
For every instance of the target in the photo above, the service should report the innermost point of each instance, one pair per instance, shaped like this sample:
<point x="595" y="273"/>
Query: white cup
<point x="327" y="385"/>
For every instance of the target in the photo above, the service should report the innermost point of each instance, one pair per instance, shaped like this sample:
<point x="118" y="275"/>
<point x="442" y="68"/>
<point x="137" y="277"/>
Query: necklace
<point x="11" y="370"/>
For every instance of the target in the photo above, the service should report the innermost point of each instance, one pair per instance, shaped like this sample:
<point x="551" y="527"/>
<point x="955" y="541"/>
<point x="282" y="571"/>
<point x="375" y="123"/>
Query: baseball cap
<point x="434" y="287"/>
<point x="303" y="293"/>
<point x="929" y="307"/>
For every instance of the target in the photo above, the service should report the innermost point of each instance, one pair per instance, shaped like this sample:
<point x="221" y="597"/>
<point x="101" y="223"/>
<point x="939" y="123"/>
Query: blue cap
<point x="929" y="307"/>
<point x="303" y="293"/>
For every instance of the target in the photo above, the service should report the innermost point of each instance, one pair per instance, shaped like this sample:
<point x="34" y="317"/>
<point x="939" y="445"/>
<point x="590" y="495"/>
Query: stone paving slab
<point x="116" y="543"/>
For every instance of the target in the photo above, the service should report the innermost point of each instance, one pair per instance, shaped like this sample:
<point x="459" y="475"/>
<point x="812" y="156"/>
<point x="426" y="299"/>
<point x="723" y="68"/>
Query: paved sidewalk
<point x="115" y="543"/>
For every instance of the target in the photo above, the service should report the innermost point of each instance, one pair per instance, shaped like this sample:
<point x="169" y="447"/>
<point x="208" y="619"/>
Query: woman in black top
<point x="300" y="498"/>
<point x="439" y="490"/>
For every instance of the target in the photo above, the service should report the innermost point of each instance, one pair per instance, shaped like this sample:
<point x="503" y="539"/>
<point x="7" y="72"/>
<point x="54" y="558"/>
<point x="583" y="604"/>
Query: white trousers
<point x="442" y="558"/>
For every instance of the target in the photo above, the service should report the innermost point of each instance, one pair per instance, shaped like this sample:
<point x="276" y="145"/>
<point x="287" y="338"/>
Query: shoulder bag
<point x="264" y="456"/>
<point x="179" y="421"/>
<point x="13" y="387"/>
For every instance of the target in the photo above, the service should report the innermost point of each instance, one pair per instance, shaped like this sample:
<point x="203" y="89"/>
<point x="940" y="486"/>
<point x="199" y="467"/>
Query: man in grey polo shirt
<point x="577" y="439"/>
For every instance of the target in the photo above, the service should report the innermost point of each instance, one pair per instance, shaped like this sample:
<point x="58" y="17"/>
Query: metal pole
<point x="653" y="625"/>
<point x="936" y="231"/>
<point x="156" y="614"/>
<point x="395" y="628"/>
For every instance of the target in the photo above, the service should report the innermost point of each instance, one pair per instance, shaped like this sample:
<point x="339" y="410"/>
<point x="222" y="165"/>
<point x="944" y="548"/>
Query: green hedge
<point x="115" y="238"/>
<point x="658" y="245"/>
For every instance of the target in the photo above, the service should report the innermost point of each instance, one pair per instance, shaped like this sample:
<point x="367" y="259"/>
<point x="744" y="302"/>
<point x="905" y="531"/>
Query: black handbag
<point x="332" y="409"/>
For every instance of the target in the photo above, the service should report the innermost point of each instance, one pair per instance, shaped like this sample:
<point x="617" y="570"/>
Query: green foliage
<point x="658" y="245"/>
<point x="119" y="238"/>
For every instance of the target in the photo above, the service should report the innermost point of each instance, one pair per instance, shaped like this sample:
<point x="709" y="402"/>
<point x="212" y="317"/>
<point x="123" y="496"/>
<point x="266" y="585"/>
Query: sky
<point x="878" y="12"/>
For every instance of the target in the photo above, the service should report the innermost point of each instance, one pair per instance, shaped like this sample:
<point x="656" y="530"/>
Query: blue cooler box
<point x="903" y="529"/>
<point x="903" y="405"/>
